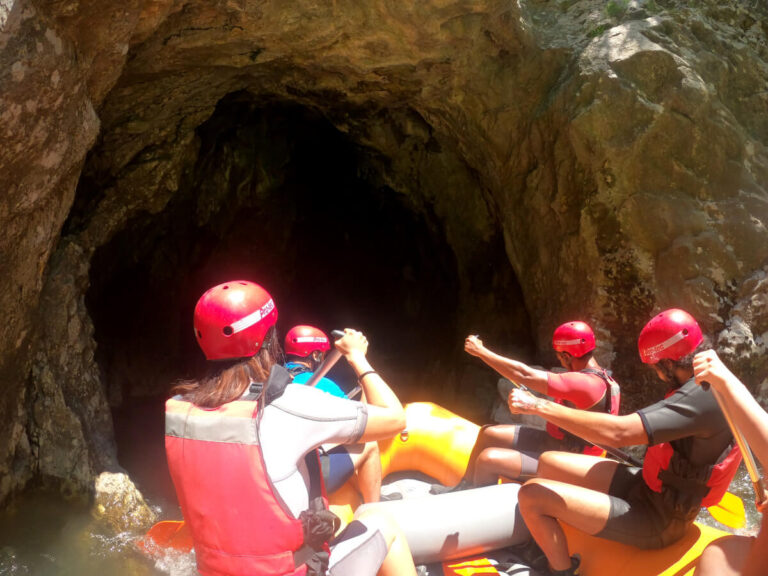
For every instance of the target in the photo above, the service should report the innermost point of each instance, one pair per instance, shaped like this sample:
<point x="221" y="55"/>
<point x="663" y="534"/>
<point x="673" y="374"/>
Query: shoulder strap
<point x="605" y="376"/>
<point x="294" y="368"/>
<point x="279" y="378"/>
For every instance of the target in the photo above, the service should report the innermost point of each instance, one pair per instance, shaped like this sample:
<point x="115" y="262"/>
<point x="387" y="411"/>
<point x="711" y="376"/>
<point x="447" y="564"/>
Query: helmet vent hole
<point x="199" y="334"/>
<point x="228" y="331"/>
<point x="225" y="287"/>
<point x="685" y="331"/>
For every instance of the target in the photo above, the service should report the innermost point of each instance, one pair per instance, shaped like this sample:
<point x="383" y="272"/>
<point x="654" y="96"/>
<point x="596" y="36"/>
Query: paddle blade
<point x="469" y="567"/>
<point x="729" y="511"/>
<point x="169" y="534"/>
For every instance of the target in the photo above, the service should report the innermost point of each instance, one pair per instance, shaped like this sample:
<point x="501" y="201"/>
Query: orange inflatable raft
<point x="437" y="443"/>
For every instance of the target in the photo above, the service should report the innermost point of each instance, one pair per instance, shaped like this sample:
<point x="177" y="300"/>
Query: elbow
<point x="624" y="434"/>
<point x="400" y="422"/>
<point x="395" y="422"/>
<point x="613" y="440"/>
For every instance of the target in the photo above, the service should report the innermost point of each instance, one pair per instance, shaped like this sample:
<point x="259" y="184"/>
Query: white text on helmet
<point x="674" y="339"/>
<point x="568" y="342"/>
<point x="253" y="317"/>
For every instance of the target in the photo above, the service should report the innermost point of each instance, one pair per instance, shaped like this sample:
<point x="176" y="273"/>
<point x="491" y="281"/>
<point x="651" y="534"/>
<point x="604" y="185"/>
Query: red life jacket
<point x="239" y="526"/>
<point x="658" y="463"/>
<point x="609" y="405"/>
<point x="657" y="474"/>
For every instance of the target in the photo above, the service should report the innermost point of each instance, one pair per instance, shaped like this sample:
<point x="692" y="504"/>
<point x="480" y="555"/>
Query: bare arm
<point x="507" y="367"/>
<point x="596" y="427"/>
<point x="386" y="416"/>
<point x="747" y="414"/>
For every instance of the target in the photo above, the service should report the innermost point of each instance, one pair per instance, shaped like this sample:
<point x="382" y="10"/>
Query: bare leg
<point x="725" y="557"/>
<point x="497" y="436"/>
<point x="583" y="503"/>
<point x="591" y="472"/>
<point x="365" y="458"/>
<point x="398" y="561"/>
<point x="758" y="555"/>
<point x="495" y="462"/>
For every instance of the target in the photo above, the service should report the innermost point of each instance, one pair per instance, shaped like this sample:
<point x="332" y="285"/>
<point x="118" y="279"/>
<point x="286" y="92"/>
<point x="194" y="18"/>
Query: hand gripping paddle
<point x="331" y="358"/>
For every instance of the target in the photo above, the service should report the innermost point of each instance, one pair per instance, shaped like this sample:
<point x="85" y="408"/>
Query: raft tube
<point x="600" y="557"/>
<point x="435" y="443"/>
<point x="458" y="524"/>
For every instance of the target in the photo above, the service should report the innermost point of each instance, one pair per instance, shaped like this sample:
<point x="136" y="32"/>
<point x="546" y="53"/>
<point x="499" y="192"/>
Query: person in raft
<point x="736" y="555"/>
<point x="512" y="451"/>
<point x="241" y="445"/>
<point x="690" y="462"/>
<point x="305" y="349"/>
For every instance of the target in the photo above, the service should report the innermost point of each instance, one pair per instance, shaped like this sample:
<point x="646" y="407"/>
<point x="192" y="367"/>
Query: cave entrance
<point x="278" y="195"/>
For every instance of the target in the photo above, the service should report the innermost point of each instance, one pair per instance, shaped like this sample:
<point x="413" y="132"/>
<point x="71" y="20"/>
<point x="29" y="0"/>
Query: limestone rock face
<point x="120" y="505"/>
<point x="533" y="162"/>
<point x="744" y="340"/>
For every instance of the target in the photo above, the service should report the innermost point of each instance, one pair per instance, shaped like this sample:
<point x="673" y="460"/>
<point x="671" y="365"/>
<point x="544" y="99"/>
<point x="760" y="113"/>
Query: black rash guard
<point x="691" y="420"/>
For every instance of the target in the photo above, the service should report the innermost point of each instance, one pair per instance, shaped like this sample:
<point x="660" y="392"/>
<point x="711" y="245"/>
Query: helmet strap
<point x="566" y="359"/>
<point x="315" y="359"/>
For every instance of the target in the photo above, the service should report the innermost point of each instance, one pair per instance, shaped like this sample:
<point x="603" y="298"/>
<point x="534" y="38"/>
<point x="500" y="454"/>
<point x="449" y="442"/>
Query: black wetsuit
<point x="692" y="422"/>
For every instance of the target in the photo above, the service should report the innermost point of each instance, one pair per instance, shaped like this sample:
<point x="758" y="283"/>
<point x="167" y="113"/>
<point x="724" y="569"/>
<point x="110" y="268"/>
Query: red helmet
<point x="232" y="319"/>
<point x="303" y="340"/>
<point x="576" y="338"/>
<point x="670" y="334"/>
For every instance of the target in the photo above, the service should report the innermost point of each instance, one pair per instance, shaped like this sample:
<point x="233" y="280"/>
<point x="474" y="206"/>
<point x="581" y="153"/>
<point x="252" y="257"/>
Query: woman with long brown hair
<point x="241" y="445"/>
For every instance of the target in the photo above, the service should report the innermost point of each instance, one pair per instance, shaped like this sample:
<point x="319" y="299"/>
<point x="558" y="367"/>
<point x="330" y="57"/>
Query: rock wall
<point x="618" y="148"/>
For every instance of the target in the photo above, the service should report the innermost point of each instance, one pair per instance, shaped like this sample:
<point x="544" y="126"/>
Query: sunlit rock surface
<point x="120" y="505"/>
<point x="552" y="160"/>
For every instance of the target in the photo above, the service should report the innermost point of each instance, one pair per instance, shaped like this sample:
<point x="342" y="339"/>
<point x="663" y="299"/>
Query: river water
<point x="41" y="535"/>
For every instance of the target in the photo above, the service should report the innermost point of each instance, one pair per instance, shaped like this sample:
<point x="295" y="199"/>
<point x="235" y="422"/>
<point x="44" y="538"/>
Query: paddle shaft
<point x="328" y="362"/>
<point x="615" y="452"/>
<point x="749" y="459"/>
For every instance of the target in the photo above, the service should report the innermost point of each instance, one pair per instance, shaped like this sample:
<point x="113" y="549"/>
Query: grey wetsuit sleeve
<point x="322" y="418"/>
<point x="689" y="411"/>
<point x="296" y="423"/>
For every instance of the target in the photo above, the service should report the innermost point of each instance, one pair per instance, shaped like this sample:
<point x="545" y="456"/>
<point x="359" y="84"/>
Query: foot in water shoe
<point x="572" y="571"/>
<point x="440" y="489"/>
<point x="530" y="554"/>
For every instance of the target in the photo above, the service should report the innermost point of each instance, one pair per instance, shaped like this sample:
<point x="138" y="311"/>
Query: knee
<point x="484" y="457"/>
<point x="550" y="461"/>
<point x="533" y="497"/>
<point x="724" y="556"/>
<point x="712" y="555"/>
<point x="381" y="521"/>
<point x="492" y="456"/>
<point x="494" y="434"/>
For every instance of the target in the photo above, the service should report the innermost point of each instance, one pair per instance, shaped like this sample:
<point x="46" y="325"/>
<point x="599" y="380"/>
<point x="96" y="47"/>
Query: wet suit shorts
<point x="337" y="468"/>
<point x="359" y="550"/>
<point x="637" y="516"/>
<point x="531" y="443"/>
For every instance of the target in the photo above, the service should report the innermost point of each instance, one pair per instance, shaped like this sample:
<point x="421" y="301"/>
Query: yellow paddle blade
<point x="469" y="567"/>
<point x="729" y="511"/>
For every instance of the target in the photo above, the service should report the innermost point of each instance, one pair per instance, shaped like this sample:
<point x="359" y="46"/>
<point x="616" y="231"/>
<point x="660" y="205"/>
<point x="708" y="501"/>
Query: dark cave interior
<point x="278" y="195"/>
